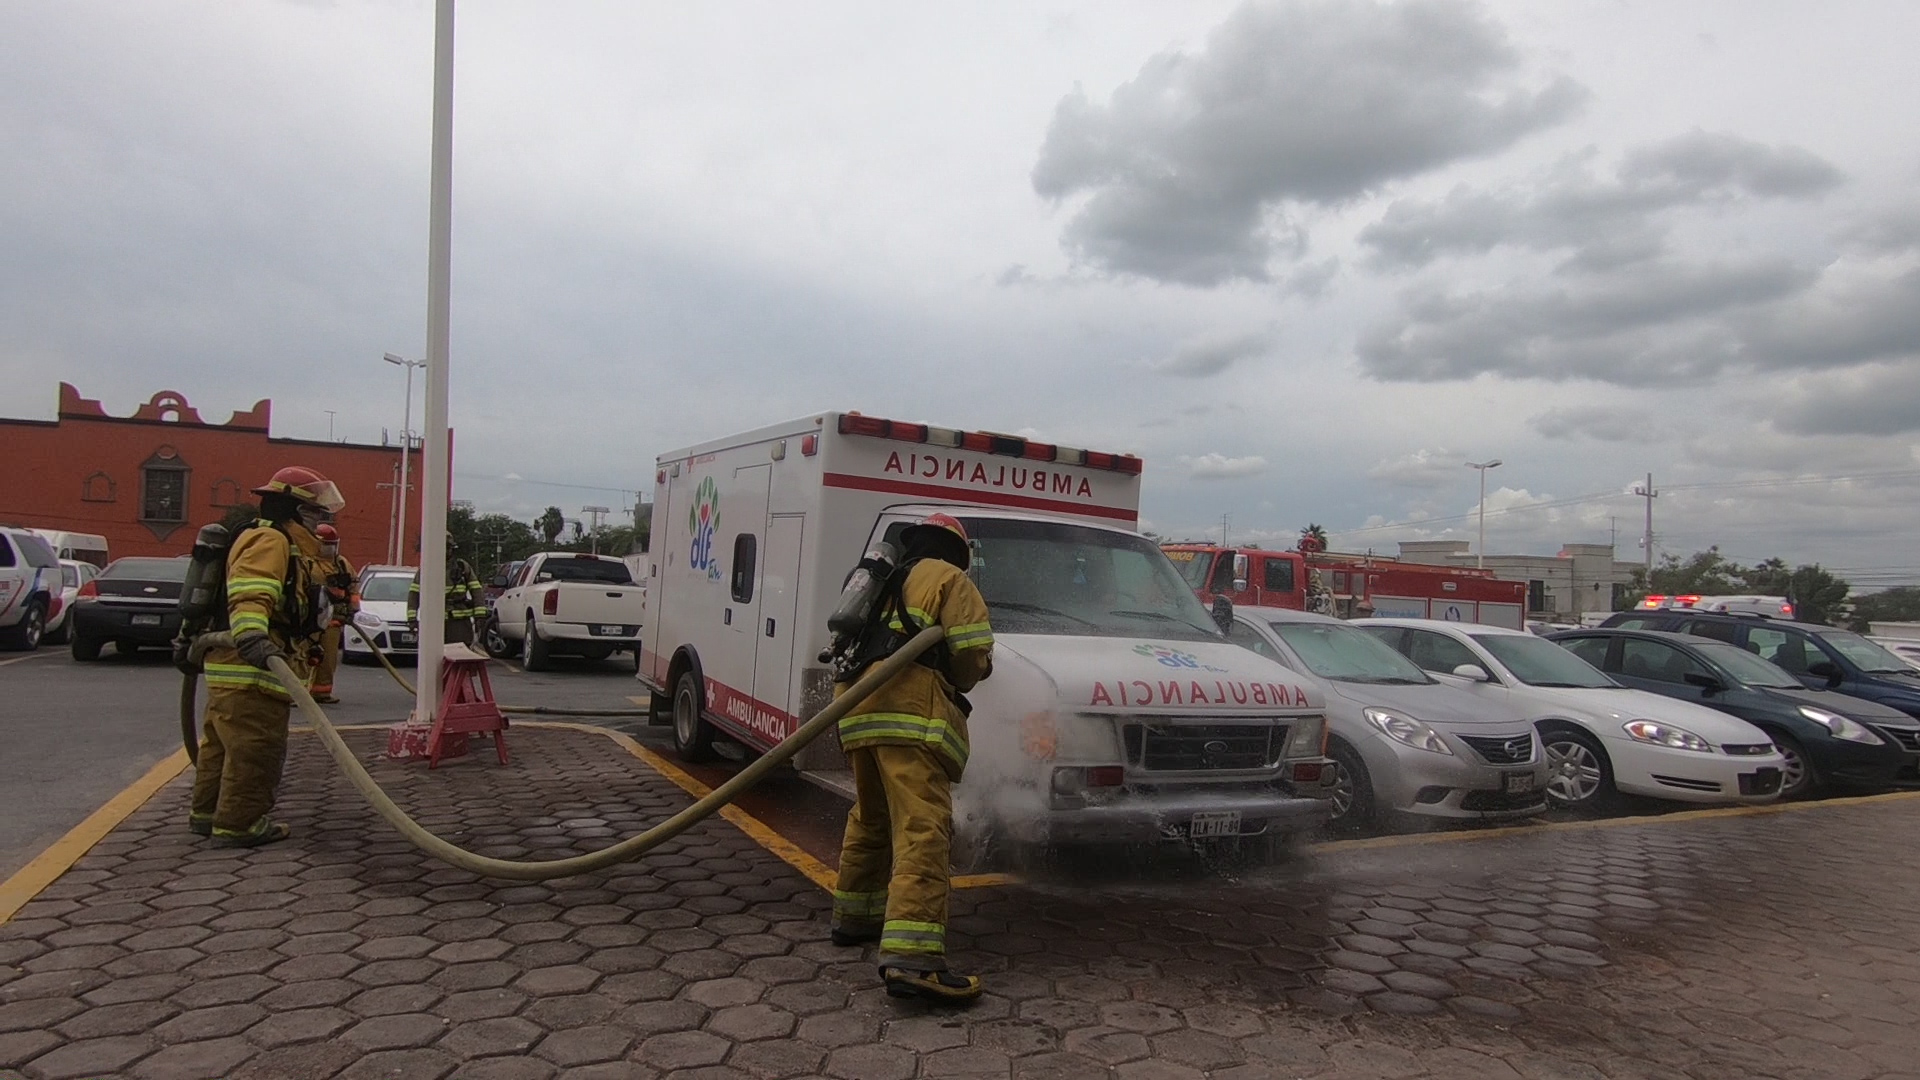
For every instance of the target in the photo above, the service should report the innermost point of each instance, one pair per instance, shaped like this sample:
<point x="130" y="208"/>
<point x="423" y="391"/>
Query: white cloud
<point x="1221" y="467"/>
<point x="1434" y="468"/>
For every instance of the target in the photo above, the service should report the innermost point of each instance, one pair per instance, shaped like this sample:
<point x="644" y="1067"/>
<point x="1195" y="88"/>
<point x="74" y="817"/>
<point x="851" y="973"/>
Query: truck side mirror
<point x="1828" y="670"/>
<point x="1223" y="613"/>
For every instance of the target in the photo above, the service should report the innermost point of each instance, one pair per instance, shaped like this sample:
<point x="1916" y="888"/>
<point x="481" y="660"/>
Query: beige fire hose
<point x="627" y="849"/>
<point x="517" y="710"/>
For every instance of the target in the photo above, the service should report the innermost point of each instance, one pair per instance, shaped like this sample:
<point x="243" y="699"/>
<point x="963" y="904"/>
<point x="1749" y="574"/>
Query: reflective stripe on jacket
<point x="260" y="566"/>
<point x="917" y="706"/>
<point x="465" y="597"/>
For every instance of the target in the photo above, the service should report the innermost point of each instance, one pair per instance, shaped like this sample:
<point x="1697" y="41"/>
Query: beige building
<point x="1584" y="579"/>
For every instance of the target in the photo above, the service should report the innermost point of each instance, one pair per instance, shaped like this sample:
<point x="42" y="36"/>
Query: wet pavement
<point x="1760" y="945"/>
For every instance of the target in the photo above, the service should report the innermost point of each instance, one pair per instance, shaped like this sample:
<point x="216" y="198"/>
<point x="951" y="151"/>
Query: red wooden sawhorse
<point x="466" y="708"/>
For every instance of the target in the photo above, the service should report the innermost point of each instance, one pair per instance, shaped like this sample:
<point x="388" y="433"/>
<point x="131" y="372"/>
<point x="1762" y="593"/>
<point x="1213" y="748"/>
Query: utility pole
<point x="596" y="511"/>
<point x="329" y="425"/>
<point x="1224" y="520"/>
<point x="1646" y="538"/>
<point x="435" y="468"/>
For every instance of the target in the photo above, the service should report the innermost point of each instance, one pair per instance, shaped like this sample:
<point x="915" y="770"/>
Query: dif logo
<point x="703" y="520"/>
<point x="1166" y="657"/>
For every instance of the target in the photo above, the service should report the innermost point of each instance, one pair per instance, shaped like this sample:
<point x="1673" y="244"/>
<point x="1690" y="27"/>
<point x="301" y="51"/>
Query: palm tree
<point x="551" y="524"/>
<point x="1312" y="538"/>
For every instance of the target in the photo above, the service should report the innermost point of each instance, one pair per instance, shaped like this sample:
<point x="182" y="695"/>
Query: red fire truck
<point x="1339" y="582"/>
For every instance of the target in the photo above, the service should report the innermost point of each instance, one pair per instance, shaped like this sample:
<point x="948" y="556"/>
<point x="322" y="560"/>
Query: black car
<point x="134" y="602"/>
<point x="1830" y="739"/>
<point x="1819" y="656"/>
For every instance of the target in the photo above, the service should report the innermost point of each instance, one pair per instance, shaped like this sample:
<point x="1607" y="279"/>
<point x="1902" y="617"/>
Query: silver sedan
<point x="1406" y="745"/>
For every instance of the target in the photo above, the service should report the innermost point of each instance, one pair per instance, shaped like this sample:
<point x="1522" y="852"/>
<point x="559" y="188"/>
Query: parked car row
<point x="1440" y="720"/>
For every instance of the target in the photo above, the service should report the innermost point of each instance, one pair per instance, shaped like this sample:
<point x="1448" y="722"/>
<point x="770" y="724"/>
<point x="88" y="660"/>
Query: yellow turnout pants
<point x="894" y="860"/>
<point x="322" y="682"/>
<point x="243" y="748"/>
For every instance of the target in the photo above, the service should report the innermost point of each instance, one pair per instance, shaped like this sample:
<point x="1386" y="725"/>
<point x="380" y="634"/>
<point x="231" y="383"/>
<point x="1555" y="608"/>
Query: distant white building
<point x="1583" y="579"/>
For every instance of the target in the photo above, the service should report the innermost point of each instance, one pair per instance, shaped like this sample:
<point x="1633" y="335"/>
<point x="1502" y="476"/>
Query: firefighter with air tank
<point x="274" y="604"/>
<point x="343" y="599"/>
<point x="908" y="746"/>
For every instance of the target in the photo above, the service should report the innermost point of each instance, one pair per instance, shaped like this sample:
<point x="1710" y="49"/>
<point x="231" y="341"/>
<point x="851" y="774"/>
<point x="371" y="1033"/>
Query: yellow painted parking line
<point x="1464" y="835"/>
<point x="645" y="701"/>
<point x="57" y="859"/>
<point x="24" y="659"/>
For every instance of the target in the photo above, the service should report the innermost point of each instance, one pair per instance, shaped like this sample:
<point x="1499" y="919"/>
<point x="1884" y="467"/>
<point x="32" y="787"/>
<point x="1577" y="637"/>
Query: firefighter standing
<point x="466" y="601"/>
<point x="343" y="601"/>
<point x="908" y="745"/>
<point x="273" y="608"/>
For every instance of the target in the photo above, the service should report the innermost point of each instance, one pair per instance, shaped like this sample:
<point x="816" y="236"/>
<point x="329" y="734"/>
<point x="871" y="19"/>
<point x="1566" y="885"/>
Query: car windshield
<point x="1192" y="566"/>
<point x="1539" y="662"/>
<point x="146" y="570"/>
<point x="1746" y="668"/>
<point x="386" y="587"/>
<point x="596" y="571"/>
<point x="1864" y="654"/>
<point x="1345" y="654"/>
<point x="1055" y="577"/>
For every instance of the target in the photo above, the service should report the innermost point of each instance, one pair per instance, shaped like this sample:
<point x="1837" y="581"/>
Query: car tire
<point x="85" y="649"/>
<point x="1354" y="806"/>
<point x="692" y="735"/>
<point x="534" y="653"/>
<point x="25" y="636"/>
<point x="1579" y="772"/>
<point x="1798" y="777"/>
<point x="495" y="642"/>
<point x="125" y="648"/>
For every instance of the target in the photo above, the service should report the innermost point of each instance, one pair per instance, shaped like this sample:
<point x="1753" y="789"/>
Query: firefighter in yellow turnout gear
<point x="273" y="609"/>
<point x="908" y="746"/>
<point x="466" y="613"/>
<point x="343" y="600"/>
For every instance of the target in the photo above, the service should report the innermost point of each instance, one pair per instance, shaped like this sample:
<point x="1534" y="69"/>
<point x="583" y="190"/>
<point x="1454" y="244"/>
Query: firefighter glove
<point x="181" y="657"/>
<point x="257" y="648"/>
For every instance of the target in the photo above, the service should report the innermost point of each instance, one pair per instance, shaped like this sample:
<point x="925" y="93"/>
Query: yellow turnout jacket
<point x="259" y="567"/>
<point x="917" y="707"/>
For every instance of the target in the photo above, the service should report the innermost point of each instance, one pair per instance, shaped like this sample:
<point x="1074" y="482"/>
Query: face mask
<point x="311" y="516"/>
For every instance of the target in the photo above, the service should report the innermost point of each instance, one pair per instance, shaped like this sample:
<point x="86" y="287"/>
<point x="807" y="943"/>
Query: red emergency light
<point x="983" y="442"/>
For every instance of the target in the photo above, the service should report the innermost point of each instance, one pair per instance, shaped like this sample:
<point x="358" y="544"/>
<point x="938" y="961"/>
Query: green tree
<point x="1816" y="594"/>
<point x="1900" y="604"/>
<point x="1312" y="538"/>
<point x="499" y="538"/>
<point x="551" y="524"/>
<point x="1706" y="573"/>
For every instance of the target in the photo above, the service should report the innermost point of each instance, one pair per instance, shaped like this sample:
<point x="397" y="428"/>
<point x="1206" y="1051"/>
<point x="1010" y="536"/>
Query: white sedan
<point x="383" y="615"/>
<point x="1602" y="739"/>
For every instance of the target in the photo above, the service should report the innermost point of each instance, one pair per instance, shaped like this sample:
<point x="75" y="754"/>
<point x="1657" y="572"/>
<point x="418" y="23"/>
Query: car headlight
<point x="1840" y="727"/>
<point x="368" y="620"/>
<point x="1659" y="734"/>
<point x="1407" y="731"/>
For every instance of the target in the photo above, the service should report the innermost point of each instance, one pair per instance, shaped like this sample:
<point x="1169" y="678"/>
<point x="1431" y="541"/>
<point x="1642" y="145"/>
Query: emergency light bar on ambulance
<point x="982" y="442"/>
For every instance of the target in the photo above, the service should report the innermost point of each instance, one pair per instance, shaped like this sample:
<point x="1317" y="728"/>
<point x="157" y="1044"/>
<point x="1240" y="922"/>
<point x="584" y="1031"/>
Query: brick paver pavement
<point x="1764" y="946"/>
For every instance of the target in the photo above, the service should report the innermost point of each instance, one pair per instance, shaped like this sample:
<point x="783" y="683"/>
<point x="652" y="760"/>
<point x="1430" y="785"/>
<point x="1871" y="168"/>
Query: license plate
<point x="1517" y="782"/>
<point x="146" y="620"/>
<point x="1220" y="823"/>
<point x="407" y="639"/>
<point x="611" y="631"/>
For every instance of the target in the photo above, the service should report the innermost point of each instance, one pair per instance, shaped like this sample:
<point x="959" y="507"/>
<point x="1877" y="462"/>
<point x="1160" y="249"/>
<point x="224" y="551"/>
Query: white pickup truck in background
<point x="564" y="602"/>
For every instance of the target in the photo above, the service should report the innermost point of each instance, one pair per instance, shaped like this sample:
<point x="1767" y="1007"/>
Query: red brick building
<point x="147" y="482"/>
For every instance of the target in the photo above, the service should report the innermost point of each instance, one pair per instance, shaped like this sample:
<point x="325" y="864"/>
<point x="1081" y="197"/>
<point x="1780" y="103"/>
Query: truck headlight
<point x="1407" y="731"/>
<point x="1840" y="727"/>
<point x="367" y="620"/>
<point x="1656" y="733"/>
<point x="1308" y="738"/>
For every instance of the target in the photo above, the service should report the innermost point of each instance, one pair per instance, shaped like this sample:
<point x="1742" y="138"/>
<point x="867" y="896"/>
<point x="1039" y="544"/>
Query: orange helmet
<point x="327" y="534"/>
<point x="305" y="485"/>
<point x="941" y="531"/>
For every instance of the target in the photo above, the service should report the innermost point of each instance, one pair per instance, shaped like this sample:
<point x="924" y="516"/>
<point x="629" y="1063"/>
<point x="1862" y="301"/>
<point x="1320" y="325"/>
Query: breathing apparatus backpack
<point x="203" y="596"/>
<point x="863" y="631"/>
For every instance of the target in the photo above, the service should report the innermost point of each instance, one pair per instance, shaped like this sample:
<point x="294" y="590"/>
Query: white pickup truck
<point x="568" y="602"/>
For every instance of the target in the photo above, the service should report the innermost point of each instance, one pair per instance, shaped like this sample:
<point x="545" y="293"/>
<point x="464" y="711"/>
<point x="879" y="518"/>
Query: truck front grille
<point x="1176" y="747"/>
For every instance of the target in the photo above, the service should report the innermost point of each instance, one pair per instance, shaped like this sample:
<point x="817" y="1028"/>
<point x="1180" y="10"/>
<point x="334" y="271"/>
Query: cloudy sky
<point x="1306" y="258"/>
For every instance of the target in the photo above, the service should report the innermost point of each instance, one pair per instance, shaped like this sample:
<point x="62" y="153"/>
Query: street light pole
<point x="1480" y="549"/>
<point x="406" y="446"/>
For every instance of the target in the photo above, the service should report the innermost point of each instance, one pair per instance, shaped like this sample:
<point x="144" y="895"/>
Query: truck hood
<point x="1168" y="677"/>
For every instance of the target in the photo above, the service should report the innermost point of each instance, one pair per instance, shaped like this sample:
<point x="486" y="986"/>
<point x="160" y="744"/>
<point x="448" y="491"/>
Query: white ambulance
<point x="1116" y="711"/>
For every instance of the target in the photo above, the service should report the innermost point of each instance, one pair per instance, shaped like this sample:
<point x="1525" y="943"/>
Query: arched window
<point x="97" y="488"/>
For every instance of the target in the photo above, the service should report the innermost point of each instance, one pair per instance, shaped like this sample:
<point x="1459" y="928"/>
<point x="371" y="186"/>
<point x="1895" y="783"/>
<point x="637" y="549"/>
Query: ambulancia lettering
<point x="960" y="470"/>
<point x="1141" y="692"/>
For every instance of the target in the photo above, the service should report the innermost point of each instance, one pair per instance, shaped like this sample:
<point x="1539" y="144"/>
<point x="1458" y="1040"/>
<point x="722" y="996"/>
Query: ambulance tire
<point x="692" y="735"/>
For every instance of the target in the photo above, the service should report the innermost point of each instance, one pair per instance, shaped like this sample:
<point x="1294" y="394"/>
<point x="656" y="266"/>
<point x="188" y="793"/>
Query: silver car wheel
<point x="1342" y="798"/>
<point x="1573" y="771"/>
<point x="1793" y="771"/>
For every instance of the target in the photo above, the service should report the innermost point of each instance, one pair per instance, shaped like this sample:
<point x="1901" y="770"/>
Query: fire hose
<point x="530" y="710"/>
<point x="630" y="848"/>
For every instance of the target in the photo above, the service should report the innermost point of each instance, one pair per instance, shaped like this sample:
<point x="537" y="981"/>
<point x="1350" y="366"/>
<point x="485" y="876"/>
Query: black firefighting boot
<point x="939" y="987"/>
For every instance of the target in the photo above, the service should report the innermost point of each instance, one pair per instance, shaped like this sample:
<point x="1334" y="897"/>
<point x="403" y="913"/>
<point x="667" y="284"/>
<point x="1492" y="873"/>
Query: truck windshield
<point x="596" y="571"/>
<point x="1054" y="577"/>
<point x="1192" y="566"/>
